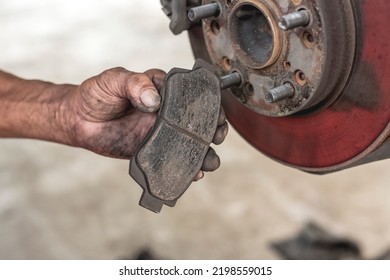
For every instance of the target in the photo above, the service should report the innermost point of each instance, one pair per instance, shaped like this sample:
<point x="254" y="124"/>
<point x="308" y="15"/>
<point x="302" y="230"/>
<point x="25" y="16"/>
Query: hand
<point x="115" y="110"/>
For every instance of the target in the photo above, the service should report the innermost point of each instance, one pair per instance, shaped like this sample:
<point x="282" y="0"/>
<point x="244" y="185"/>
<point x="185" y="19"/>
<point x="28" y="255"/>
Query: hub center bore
<point x="253" y="35"/>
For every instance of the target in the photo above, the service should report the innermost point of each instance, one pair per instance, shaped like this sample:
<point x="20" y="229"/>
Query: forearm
<point x="34" y="109"/>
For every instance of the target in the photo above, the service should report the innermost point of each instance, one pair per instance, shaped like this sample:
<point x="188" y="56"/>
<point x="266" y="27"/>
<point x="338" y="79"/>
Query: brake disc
<point x="315" y="77"/>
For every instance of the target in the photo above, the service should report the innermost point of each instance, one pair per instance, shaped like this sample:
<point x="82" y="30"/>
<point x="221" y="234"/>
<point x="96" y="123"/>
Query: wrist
<point x="66" y="118"/>
<point x="52" y="116"/>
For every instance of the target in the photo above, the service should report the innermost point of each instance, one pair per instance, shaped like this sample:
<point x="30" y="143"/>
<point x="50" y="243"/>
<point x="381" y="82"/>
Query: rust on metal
<point x="250" y="39"/>
<point x="340" y="113"/>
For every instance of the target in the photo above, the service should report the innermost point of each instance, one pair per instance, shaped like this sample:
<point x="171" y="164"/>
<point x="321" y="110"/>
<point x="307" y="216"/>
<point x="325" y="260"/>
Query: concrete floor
<point x="58" y="202"/>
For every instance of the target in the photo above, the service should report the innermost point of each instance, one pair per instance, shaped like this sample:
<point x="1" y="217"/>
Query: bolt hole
<point x="287" y="65"/>
<point x="215" y="28"/>
<point x="226" y="64"/>
<point x="300" y="77"/>
<point x="308" y="39"/>
<point x="228" y="2"/>
<point x="249" y="89"/>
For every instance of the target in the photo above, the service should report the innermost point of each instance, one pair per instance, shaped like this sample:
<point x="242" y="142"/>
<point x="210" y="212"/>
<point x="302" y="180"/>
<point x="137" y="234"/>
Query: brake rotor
<point x="313" y="96"/>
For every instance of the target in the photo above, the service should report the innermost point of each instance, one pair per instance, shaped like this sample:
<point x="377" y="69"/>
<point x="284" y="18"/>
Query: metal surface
<point x="295" y="19"/>
<point x="177" y="11"/>
<point x="282" y="92"/>
<point x="228" y="81"/>
<point x="204" y="11"/>
<point x="338" y="63"/>
<point x="249" y="39"/>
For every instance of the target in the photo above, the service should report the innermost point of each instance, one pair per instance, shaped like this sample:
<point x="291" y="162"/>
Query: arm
<point x="109" y="114"/>
<point x="34" y="109"/>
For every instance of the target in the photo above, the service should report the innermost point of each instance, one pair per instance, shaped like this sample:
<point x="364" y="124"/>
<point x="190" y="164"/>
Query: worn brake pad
<point x="174" y="149"/>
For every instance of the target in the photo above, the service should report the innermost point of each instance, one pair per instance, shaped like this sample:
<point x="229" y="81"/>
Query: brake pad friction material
<point x="173" y="151"/>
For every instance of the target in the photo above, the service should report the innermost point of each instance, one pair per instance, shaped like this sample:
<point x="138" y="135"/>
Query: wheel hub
<point x="246" y="37"/>
<point x="315" y="87"/>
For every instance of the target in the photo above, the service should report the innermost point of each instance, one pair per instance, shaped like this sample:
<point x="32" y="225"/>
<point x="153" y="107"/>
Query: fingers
<point x="222" y="128"/>
<point x="221" y="133"/>
<point x="199" y="176"/>
<point x="157" y="76"/>
<point x="221" y="117"/>
<point x="140" y="88"/>
<point x="211" y="161"/>
<point x="144" y="88"/>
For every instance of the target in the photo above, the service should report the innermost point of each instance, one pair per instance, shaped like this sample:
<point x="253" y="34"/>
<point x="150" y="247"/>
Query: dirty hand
<point x="115" y="110"/>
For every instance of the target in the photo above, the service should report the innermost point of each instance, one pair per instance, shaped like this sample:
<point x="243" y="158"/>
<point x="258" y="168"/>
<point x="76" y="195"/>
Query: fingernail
<point x="150" y="98"/>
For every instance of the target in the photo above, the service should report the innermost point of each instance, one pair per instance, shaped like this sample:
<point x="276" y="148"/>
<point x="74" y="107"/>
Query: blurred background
<point x="58" y="202"/>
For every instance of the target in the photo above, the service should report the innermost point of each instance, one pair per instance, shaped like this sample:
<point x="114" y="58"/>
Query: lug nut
<point x="204" y="11"/>
<point x="293" y="20"/>
<point x="233" y="79"/>
<point x="279" y="93"/>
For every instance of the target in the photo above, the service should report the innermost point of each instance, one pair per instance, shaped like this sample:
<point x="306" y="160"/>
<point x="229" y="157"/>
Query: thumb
<point x="142" y="93"/>
<point x="150" y="100"/>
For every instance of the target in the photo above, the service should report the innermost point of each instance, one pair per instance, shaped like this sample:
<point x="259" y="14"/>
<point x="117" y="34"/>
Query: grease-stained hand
<point x="114" y="111"/>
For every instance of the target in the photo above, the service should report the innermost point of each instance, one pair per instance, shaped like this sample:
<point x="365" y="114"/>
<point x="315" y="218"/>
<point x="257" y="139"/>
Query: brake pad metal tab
<point x="174" y="149"/>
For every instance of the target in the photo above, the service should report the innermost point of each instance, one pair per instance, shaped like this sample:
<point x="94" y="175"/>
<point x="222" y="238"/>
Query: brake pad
<point x="173" y="152"/>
